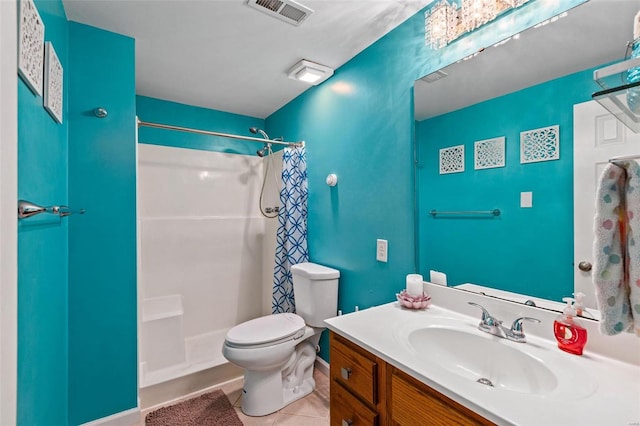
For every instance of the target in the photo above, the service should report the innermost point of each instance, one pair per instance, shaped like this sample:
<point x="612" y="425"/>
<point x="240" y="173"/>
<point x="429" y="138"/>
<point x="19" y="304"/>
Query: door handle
<point x="585" y="266"/>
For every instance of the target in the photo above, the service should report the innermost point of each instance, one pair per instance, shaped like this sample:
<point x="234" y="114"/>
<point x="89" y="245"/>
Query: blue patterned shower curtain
<point x="291" y="239"/>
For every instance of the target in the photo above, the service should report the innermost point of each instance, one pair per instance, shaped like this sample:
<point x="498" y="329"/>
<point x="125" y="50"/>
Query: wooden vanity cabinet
<point x="365" y="390"/>
<point x="411" y="402"/>
<point x="357" y="385"/>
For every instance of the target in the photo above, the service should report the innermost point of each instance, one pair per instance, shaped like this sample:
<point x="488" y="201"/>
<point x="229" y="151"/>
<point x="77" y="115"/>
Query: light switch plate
<point x="526" y="199"/>
<point x="381" y="250"/>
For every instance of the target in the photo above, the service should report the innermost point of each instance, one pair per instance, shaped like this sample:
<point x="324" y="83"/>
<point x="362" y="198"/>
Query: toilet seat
<point x="266" y="331"/>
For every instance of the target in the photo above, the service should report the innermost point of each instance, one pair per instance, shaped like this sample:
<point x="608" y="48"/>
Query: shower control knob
<point x="584" y="266"/>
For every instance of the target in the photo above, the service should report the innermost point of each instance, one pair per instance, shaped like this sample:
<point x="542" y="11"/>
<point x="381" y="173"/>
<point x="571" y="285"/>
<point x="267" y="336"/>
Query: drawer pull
<point x="346" y="373"/>
<point x="347" y="422"/>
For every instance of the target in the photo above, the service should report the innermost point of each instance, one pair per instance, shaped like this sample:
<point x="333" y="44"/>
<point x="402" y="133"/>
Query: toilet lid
<point x="270" y="328"/>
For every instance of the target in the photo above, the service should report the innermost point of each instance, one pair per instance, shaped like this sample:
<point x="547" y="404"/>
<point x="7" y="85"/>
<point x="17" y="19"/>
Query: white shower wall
<point x="206" y="255"/>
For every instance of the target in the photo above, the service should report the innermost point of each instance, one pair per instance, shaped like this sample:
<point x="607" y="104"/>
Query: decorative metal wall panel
<point x="540" y="144"/>
<point x="53" y="83"/>
<point x="489" y="153"/>
<point x="452" y="159"/>
<point x="31" y="46"/>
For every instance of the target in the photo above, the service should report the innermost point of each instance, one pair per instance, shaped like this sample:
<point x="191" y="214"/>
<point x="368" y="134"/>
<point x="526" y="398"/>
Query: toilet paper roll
<point x="414" y="285"/>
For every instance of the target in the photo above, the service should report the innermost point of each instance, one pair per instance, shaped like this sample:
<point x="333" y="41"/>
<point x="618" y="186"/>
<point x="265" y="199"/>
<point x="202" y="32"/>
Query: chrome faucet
<point x="490" y="324"/>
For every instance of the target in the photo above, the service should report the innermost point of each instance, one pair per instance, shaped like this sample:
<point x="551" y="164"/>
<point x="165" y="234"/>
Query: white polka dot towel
<point x="616" y="272"/>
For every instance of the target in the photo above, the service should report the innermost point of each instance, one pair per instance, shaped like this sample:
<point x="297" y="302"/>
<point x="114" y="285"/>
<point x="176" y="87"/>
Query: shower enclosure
<point x="205" y="254"/>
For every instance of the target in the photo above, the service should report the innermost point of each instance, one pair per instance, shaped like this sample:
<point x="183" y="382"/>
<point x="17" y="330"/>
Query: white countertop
<point x="607" y="394"/>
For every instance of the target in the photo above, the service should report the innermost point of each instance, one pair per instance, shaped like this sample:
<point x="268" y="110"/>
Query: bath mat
<point x="210" y="409"/>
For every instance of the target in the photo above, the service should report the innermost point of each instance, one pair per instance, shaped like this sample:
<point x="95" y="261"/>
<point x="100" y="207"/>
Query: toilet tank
<point x="315" y="288"/>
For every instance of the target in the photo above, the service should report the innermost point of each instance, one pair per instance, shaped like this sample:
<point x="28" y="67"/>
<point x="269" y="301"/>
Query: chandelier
<point x="448" y="20"/>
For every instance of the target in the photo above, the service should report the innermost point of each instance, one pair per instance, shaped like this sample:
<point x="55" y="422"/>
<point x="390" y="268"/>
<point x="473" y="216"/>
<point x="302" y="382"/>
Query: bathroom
<point x="76" y="315"/>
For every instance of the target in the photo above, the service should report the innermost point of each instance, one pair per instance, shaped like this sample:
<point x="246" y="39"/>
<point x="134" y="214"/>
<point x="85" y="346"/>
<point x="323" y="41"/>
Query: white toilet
<point x="278" y="351"/>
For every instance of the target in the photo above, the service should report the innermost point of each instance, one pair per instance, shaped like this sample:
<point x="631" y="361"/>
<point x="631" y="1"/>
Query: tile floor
<point x="312" y="410"/>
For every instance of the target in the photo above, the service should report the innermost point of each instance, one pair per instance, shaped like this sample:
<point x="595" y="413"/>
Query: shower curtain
<point x="291" y="239"/>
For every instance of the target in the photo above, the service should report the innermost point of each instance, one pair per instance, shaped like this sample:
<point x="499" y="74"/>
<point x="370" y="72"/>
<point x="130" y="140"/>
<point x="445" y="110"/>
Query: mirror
<point x="529" y="85"/>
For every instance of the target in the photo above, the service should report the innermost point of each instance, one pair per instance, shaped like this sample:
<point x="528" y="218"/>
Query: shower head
<point x="255" y="131"/>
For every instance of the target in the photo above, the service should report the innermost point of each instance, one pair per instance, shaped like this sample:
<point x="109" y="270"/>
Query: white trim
<point x="138" y="272"/>
<point x="181" y="398"/>
<point x="124" y="418"/>
<point x="322" y="366"/>
<point x="188" y="386"/>
<point x="8" y="220"/>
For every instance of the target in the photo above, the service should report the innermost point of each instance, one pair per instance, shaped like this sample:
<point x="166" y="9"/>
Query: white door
<point x="8" y="219"/>
<point x="597" y="137"/>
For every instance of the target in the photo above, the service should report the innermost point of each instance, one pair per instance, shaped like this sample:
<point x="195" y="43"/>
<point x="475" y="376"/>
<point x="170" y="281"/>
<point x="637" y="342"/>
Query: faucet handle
<point x="516" y="327"/>
<point x="487" y="319"/>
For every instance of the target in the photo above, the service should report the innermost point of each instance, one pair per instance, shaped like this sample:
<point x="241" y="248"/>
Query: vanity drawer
<point x="347" y="410"/>
<point x="351" y="367"/>
<point x="413" y="403"/>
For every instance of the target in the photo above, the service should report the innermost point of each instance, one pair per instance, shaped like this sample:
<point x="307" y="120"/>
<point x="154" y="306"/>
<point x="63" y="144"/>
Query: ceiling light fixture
<point x="446" y="21"/>
<point x="310" y="72"/>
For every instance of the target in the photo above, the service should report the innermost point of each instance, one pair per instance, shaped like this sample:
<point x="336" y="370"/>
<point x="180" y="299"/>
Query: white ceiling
<point x="224" y="55"/>
<point x="592" y="34"/>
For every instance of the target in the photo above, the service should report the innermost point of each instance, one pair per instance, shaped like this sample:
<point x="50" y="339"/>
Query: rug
<point x="210" y="409"/>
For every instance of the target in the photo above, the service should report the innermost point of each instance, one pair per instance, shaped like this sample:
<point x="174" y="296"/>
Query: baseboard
<point x="124" y="418"/>
<point x="322" y="366"/>
<point x="180" y="388"/>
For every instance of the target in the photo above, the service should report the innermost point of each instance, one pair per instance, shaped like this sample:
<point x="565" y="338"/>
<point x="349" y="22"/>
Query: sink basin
<point x="483" y="358"/>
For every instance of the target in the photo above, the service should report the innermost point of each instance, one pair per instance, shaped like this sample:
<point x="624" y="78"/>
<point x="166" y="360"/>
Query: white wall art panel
<point x="202" y="240"/>
<point x="452" y="159"/>
<point x="31" y="46"/>
<point x="489" y="153"/>
<point x="540" y="145"/>
<point x="53" y="83"/>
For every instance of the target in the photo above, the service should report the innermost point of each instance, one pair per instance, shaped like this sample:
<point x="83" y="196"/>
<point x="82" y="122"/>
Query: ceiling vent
<point x="434" y="76"/>
<point x="287" y="10"/>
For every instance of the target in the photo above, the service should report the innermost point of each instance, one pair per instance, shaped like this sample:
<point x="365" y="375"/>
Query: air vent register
<point x="287" y="10"/>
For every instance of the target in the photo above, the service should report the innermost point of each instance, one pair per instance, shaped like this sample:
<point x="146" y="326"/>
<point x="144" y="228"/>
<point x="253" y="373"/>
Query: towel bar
<point x="495" y="212"/>
<point x="615" y="160"/>
<point x="27" y="209"/>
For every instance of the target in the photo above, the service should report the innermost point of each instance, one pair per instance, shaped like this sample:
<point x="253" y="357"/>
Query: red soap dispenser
<point x="570" y="334"/>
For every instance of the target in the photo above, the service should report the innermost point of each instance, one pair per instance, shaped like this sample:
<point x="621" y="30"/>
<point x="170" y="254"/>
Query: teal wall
<point x="359" y="125"/>
<point x="166" y="112"/>
<point x="353" y="126"/>
<point x="102" y="242"/>
<point x="77" y="275"/>
<point x="499" y="252"/>
<point x="42" y="247"/>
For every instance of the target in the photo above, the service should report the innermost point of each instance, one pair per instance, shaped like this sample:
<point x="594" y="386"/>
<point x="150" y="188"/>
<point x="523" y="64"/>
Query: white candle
<point x="414" y="285"/>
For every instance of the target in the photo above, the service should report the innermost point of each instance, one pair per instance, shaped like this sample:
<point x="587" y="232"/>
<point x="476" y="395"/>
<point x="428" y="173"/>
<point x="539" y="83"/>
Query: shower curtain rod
<point x="614" y="160"/>
<point x="209" y="133"/>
